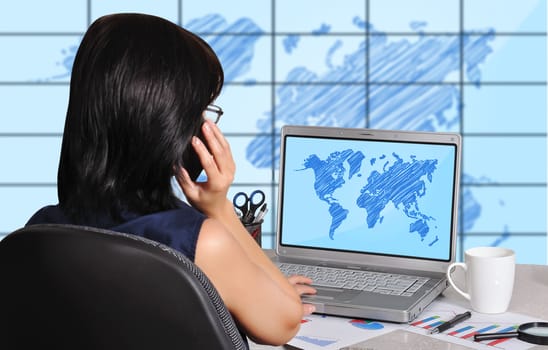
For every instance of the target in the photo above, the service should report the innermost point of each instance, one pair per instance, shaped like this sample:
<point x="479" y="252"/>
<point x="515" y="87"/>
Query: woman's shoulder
<point x="178" y="228"/>
<point x="51" y="214"/>
<point x="182" y="216"/>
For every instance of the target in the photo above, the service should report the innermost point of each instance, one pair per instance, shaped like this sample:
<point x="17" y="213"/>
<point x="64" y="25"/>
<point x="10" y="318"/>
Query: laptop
<point x="375" y="210"/>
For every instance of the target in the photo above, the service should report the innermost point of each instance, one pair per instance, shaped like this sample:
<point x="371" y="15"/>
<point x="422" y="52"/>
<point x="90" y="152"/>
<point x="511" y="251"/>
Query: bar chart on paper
<point x="438" y="313"/>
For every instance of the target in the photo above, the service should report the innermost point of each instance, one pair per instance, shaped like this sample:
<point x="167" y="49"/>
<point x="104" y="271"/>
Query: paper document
<point x="329" y="332"/>
<point x="463" y="333"/>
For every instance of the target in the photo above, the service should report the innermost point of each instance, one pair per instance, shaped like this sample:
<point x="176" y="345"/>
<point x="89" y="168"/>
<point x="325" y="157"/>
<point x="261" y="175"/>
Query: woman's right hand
<point x="210" y="197"/>
<point x="302" y="286"/>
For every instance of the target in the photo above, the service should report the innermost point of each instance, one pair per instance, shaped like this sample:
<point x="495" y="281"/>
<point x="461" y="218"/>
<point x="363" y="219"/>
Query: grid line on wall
<point x="273" y="84"/>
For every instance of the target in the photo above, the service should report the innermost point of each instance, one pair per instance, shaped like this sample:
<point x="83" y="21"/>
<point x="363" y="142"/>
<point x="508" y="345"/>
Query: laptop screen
<point x="390" y="198"/>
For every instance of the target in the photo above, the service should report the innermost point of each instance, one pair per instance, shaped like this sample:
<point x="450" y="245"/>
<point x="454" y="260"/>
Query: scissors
<point x="248" y="205"/>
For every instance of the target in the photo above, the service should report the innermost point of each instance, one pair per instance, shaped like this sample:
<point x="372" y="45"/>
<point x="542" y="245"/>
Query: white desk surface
<point x="530" y="298"/>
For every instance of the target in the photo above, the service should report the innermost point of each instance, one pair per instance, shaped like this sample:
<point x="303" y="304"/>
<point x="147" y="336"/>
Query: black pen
<point x="261" y="214"/>
<point x="451" y="323"/>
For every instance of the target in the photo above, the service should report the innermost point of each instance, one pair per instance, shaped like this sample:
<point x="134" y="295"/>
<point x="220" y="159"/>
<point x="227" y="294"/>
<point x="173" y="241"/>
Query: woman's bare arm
<point x="253" y="288"/>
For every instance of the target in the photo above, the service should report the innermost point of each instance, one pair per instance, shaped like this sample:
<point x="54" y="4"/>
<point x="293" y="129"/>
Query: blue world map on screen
<point x="400" y="183"/>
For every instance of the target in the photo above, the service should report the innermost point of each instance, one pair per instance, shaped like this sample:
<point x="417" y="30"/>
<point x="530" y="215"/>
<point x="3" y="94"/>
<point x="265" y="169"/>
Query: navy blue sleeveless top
<point x="177" y="228"/>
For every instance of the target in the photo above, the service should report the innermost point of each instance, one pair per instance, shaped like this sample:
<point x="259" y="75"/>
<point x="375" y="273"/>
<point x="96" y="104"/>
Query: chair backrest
<point x="73" y="287"/>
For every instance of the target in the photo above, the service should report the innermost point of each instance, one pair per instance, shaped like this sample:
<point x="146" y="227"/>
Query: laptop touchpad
<point x="325" y="293"/>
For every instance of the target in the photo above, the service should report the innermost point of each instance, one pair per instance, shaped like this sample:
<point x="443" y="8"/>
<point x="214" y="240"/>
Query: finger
<point x="308" y="309"/>
<point x="212" y="137"/>
<point x="218" y="135"/>
<point x="304" y="289"/>
<point x="183" y="179"/>
<point x="182" y="176"/>
<point x="298" y="279"/>
<point x="216" y="141"/>
<point x="206" y="159"/>
<point x="219" y="147"/>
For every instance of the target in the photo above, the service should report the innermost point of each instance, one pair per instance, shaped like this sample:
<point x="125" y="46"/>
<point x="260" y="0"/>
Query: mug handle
<point x="455" y="265"/>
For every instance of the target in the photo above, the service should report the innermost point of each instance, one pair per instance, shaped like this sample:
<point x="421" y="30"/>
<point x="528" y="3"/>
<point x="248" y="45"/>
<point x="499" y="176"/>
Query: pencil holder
<point x="255" y="230"/>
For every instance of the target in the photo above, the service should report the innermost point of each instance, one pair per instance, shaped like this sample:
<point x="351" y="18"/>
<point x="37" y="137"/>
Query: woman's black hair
<point x="138" y="89"/>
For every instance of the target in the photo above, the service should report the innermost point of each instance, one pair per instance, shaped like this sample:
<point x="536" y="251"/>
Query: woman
<point x="140" y="90"/>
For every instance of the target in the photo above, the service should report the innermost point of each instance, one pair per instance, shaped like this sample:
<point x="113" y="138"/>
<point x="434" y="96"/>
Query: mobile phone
<point x="191" y="162"/>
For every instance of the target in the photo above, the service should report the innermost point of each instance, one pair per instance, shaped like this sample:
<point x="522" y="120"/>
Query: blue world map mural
<point x="446" y="68"/>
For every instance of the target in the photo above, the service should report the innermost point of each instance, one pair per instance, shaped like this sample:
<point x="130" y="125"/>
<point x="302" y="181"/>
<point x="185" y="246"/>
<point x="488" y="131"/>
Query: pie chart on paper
<point x="364" y="324"/>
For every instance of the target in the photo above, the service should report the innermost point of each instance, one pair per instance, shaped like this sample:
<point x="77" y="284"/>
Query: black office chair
<point x="73" y="287"/>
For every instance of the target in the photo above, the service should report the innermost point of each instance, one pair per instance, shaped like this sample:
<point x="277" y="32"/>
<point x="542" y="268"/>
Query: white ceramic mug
<point x="489" y="276"/>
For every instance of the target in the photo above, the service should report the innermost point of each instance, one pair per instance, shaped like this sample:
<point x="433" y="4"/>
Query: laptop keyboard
<point x="370" y="281"/>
